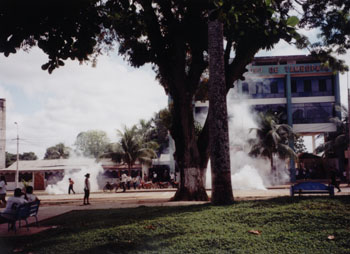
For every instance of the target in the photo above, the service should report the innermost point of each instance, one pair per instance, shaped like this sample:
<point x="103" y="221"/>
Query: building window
<point x="274" y="87"/>
<point x="252" y="88"/>
<point x="322" y="85"/>
<point x="312" y="112"/>
<point x="245" y="88"/>
<point x="307" y="86"/>
<point x="259" y="87"/>
<point x="294" y="86"/>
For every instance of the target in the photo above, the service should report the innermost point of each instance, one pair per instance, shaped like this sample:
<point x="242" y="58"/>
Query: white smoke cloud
<point x="247" y="178"/>
<point x="86" y="165"/>
<point x="247" y="172"/>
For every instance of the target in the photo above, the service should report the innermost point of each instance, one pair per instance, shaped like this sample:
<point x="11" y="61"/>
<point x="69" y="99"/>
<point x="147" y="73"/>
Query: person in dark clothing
<point x="71" y="183"/>
<point x="333" y="176"/>
<point x="87" y="189"/>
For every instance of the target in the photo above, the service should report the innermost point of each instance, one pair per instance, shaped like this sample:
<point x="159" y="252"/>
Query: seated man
<point x="12" y="204"/>
<point x="29" y="194"/>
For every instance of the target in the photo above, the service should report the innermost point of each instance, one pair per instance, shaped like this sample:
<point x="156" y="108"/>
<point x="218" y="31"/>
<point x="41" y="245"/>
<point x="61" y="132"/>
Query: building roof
<point x="274" y="60"/>
<point x="65" y="164"/>
<point x="285" y="58"/>
<point x="51" y="165"/>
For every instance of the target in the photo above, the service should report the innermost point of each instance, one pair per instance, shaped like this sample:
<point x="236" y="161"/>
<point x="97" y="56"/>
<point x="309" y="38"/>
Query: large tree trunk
<point x="192" y="175"/>
<point x="218" y="125"/>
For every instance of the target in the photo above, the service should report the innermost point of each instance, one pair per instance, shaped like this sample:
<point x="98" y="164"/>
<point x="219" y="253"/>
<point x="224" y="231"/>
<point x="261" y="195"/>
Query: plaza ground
<point x="54" y="205"/>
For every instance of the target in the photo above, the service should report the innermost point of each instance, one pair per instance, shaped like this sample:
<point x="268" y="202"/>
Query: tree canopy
<point x="92" y="143"/>
<point x="59" y="151"/>
<point x="331" y="18"/>
<point x="11" y="158"/>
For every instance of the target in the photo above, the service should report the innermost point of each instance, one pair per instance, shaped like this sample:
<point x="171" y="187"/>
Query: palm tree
<point x="218" y="126"/>
<point x="131" y="147"/>
<point x="145" y="129"/>
<point x="272" y="139"/>
<point x="336" y="142"/>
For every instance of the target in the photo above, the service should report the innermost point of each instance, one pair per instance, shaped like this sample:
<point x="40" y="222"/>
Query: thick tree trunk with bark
<point x="192" y="176"/>
<point x="218" y="125"/>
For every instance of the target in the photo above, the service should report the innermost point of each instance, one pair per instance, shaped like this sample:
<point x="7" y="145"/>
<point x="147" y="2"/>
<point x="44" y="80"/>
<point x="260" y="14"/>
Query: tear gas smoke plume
<point x="247" y="172"/>
<point x="79" y="166"/>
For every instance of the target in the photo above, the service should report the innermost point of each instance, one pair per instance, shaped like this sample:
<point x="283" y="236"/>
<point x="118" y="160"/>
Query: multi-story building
<point x="299" y="88"/>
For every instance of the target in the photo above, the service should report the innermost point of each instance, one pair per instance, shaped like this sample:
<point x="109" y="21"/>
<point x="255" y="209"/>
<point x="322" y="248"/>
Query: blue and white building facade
<point x="299" y="88"/>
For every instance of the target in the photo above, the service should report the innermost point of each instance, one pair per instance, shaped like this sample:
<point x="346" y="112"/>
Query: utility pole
<point x="17" y="172"/>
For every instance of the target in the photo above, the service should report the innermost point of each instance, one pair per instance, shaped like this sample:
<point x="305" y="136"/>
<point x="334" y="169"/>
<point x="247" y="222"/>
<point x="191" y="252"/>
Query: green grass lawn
<point x="284" y="225"/>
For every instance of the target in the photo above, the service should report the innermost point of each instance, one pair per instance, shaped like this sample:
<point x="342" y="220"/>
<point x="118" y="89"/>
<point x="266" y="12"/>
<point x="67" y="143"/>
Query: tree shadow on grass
<point x="107" y="225"/>
<point x="297" y="199"/>
<point x="80" y="222"/>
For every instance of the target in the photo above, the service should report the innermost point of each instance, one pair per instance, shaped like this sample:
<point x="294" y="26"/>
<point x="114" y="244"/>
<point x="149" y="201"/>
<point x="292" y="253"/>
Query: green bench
<point x="23" y="212"/>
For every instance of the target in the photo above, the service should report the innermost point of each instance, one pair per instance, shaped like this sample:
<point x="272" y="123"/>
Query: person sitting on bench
<point x="12" y="204"/>
<point x="29" y="196"/>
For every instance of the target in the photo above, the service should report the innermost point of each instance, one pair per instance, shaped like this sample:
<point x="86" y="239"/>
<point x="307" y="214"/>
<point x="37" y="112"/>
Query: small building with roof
<point x="41" y="173"/>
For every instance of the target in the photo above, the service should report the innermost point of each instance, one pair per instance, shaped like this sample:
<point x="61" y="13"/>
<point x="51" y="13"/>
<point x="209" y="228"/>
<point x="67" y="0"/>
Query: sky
<point x="54" y="108"/>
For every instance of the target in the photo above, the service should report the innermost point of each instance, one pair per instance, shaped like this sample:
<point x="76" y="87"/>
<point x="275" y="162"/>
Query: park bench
<point x="23" y="212"/>
<point x="311" y="188"/>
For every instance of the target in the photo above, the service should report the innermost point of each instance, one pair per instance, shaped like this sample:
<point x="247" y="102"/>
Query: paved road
<point x="53" y="205"/>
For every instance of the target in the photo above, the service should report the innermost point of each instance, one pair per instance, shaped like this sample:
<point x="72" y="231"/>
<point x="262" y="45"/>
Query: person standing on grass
<point x="3" y="184"/>
<point x="71" y="183"/>
<point x="87" y="189"/>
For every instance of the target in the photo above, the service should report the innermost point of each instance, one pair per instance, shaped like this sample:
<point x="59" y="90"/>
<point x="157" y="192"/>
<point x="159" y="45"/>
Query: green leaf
<point x="292" y="21"/>
<point x="268" y="2"/>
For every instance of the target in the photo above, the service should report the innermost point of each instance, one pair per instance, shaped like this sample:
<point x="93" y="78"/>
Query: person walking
<point x="87" y="189"/>
<point x="71" y="183"/>
<point x="3" y="184"/>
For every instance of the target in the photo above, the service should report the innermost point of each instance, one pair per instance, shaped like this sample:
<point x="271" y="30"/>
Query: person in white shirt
<point x="12" y="204"/>
<point x="87" y="189"/>
<point x="124" y="180"/>
<point x="3" y="184"/>
<point x="154" y="179"/>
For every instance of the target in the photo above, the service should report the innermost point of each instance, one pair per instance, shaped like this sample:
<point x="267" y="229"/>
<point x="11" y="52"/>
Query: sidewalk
<point x="54" y="205"/>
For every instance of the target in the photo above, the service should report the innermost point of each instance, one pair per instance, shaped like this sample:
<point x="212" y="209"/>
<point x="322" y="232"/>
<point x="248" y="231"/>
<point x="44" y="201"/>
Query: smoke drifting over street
<point x="84" y="166"/>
